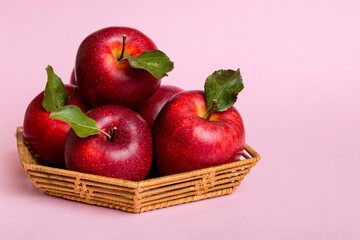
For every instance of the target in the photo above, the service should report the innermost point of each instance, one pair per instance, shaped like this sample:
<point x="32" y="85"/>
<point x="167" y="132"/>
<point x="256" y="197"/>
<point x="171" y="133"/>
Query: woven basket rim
<point x="255" y="157"/>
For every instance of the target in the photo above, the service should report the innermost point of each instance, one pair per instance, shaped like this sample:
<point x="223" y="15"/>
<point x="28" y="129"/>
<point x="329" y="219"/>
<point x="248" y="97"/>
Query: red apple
<point x="103" y="73"/>
<point x="126" y="155"/>
<point x="184" y="140"/>
<point x="151" y="108"/>
<point x="44" y="136"/>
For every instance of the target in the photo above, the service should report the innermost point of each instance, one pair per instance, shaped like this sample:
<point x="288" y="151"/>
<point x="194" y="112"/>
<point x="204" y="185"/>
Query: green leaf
<point x="82" y="124"/>
<point x="156" y="62"/>
<point x="223" y="86"/>
<point x="55" y="94"/>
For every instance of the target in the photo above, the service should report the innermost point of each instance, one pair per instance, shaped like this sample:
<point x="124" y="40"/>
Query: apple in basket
<point x="197" y="129"/>
<point x="150" y="109"/>
<point x="111" y="141"/>
<point x="44" y="136"/>
<point x="119" y="66"/>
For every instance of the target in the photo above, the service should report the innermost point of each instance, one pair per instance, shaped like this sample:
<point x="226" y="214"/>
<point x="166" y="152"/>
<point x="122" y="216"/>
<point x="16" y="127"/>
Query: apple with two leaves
<point x="119" y="66"/>
<point x="197" y="129"/>
<point x="44" y="136"/>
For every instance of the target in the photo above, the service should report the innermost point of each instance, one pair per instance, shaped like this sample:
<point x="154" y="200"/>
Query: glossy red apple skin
<point x="185" y="141"/>
<point x="45" y="136"/>
<point x="102" y="79"/>
<point x="151" y="108"/>
<point x="128" y="156"/>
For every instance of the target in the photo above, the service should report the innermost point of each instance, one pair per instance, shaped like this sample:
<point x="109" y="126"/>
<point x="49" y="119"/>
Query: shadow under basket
<point x="140" y="196"/>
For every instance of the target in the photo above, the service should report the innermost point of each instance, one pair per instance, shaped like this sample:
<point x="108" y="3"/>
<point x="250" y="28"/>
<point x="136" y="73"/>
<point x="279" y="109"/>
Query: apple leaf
<point x="55" y="94"/>
<point x="82" y="124"/>
<point x="223" y="86"/>
<point x="155" y="62"/>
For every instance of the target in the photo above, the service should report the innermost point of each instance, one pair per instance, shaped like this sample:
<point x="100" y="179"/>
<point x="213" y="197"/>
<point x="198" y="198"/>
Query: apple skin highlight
<point x="127" y="156"/>
<point x="45" y="136"/>
<point x="185" y="141"/>
<point x="105" y="80"/>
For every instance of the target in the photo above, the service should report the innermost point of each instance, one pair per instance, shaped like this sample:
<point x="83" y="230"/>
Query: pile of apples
<point x="117" y="120"/>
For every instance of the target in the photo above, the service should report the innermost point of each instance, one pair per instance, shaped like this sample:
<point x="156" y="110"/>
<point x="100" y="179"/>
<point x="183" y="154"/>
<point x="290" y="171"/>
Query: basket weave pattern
<point x="139" y="196"/>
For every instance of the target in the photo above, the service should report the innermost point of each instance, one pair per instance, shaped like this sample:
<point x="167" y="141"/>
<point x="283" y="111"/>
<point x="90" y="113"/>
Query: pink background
<point x="300" y="61"/>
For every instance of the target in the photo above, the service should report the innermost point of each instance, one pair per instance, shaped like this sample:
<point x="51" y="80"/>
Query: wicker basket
<point x="139" y="196"/>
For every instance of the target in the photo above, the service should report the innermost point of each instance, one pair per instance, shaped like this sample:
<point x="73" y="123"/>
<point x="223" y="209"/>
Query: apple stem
<point x="123" y="48"/>
<point x="108" y="136"/>
<point x="209" y="112"/>
<point x="71" y="94"/>
<point x="111" y="135"/>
